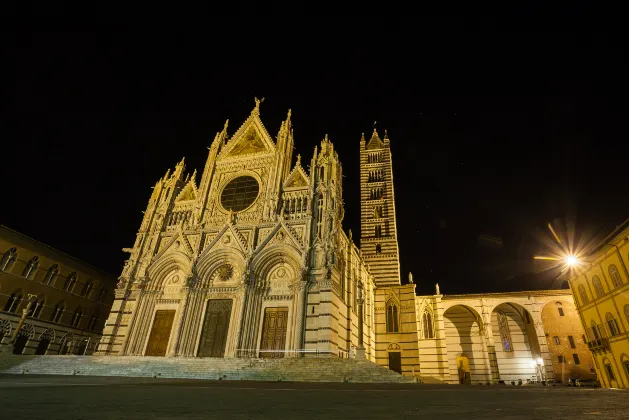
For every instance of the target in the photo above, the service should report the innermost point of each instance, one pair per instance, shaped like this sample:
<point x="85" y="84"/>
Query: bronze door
<point x="274" y="332"/>
<point x="215" y="328"/>
<point x="160" y="333"/>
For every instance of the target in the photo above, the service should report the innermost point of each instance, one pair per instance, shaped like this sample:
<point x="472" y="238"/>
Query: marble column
<point x="183" y="306"/>
<point x="301" y="290"/>
<point x="360" y="350"/>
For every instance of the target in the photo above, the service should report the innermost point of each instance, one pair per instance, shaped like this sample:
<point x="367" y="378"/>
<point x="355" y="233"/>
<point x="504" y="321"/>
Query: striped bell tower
<point x="378" y="231"/>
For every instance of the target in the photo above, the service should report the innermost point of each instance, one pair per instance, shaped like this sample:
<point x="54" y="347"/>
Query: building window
<point x="94" y="321"/>
<point x="595" y="330"/>
<point x="626" y="309"/>
<point x="571" y="340"/>
<point x="70" y="282"/>
<point x="625" y="363"/>
<point x="378" y="231"/>
<point x="612" y="324"/>
<point x="576" y="359"/>
<point x="598" y="287"/>
<point x="378" y="249"/>
<point x="101" y="295"/>
<point x="615" y="275"/>
<point x="609" y="370"/>
<point x="561" y="359"/>
<point x="392" y="318"/>
<point x="557" y="341"/>
<point x="583" y="294"/>
<point x="505" y="334"/>
<point x="52" y="274"/>
<point x="87" y="288"/>
<point x="14" y="301"/>
<point x="428" y="326"/>
<point x="8" y="259"/>
<point x="57" y="312"/>
<point x="31" y="268"/>
<point x="38" y="305"/>
<point x="560" y="309"/>
<point x="76" y="317"/>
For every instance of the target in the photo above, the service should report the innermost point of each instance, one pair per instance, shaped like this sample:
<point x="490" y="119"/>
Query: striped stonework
<point x="378" y="236"/>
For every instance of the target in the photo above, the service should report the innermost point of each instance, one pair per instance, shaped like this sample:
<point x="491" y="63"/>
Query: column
<point x="183" y="306"/>
<point x="360" y="350"/>
<point x="301" y="290"/>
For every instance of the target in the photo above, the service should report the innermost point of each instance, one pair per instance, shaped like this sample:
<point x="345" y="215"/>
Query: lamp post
<point x="25" y="311"/>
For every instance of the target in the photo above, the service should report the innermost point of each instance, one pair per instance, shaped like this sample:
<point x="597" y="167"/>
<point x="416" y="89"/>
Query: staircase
<point x="289" y="369"/>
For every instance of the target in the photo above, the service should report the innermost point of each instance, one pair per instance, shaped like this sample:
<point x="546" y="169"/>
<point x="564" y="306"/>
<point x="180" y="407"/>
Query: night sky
<point x="493" y="134"/>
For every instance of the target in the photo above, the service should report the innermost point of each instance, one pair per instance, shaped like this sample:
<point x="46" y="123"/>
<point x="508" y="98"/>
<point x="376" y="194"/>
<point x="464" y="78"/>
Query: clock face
<point x="240" y="193"/>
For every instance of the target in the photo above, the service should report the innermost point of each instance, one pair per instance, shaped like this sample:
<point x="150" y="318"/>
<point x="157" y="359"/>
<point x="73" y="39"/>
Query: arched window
<point x="609" y="370"/>
<point x="37" y="306"/>
<point x="70" y="282"/>
<point x="596" y="332"/>
<point x="87" y="288"/>
<point x="427" y="325"/>
<point x="31" y="268"/>
<point x="8" y="259"/>
<point x="626" y="310"/>
<point x="52" y="274"/>
<point x="378" y="248"/>
<point x="14" y="301"/>
<point x="378" y="231"/>
<point x="393" y="322"/>
<point x="612" y="324"/>
<point x="505" y="334"/>
<point x="94" y="321"/>
<point x="584" y="295"/>
<point x="76" y="317"/>
<point x="598" y="287"/>
<point x="58" y="312"/>
<point x="559" y="308"/>
<point x="101" y="295"/>
<point x="615" y="275"/>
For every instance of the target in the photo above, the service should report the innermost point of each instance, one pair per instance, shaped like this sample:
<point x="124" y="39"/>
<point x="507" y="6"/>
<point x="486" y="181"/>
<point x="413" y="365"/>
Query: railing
<point x="273" y="354"/>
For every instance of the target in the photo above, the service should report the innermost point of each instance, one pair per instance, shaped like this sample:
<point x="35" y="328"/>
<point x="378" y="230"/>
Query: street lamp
<point x="571" y="260"/>
<point x="31" y="299"/>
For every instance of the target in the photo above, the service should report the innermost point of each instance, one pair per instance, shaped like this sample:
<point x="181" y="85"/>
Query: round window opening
<point x="240" y="193"/>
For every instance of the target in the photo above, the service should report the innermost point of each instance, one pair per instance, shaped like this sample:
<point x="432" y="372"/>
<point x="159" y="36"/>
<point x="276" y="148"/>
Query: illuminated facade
<point x="600" y="285"/>
<point x="69" y="299"/>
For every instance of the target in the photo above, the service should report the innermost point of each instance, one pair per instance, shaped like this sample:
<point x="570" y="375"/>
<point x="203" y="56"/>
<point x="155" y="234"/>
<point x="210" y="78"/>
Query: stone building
<point x="66" y="301"/>
<point x="600" y="286"/>
<point x="253" y="262"/>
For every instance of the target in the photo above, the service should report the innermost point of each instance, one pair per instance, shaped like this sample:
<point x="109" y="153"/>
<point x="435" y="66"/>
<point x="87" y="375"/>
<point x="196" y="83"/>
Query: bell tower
<point x="378" y="229"/>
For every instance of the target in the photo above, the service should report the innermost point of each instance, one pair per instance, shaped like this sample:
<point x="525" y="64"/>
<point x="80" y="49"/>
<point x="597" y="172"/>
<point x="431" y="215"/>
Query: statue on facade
<point x="437" y="289"/>
<point x="410" y="278"/>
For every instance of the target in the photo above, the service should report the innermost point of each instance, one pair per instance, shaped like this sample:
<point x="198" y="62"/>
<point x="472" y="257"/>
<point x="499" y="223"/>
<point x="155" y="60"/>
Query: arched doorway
<point x="516" y="344"/>
<point x="464" y="343"/>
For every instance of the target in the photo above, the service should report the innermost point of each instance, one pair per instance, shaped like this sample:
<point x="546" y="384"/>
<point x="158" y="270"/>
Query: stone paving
<point x="95" y="398"/>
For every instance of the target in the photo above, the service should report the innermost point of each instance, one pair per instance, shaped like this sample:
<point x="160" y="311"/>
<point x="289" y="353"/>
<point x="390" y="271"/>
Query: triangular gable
<point x="177" y="243"/>
<point x="189" y="192"/>
<point x="375" y="142"/>
<point x="281" y="233"/>
<point x="251" y="138"/>
<point x="297" y="178"/>
<point x="228" y="236"/>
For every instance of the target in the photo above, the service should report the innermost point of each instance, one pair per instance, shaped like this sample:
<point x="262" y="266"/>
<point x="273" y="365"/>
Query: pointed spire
<point x="194" y="176"/>
<point x="386" y="135"/>
<point x="298" y="159"/>
<point x="362" y="137"/>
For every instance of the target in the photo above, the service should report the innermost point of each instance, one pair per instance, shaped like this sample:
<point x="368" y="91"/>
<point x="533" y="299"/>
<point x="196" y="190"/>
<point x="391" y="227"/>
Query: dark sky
<point x="493" y="133"/>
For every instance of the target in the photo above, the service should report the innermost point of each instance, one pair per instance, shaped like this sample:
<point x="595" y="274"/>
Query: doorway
<point x="20" y="343"/>
<point x="215" y="328"/>
<point x="160" y="333"/>
<point x="274" y="332"/>
<point x="395" y="361"/>
<point x="42" y="346"/>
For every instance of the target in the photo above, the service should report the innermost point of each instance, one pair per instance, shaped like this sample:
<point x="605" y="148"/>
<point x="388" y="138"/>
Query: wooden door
<point x="395" y="361"/>
<point x="274" y="332"/>
<point x="160" y="333"/>
<point x="215" y="328"/>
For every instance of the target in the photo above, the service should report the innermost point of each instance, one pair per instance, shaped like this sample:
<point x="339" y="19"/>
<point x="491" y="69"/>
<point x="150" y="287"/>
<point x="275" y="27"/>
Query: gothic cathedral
<point x="253" y="260"/>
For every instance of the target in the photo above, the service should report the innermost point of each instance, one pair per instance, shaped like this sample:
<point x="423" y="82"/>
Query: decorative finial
<point x="298" y="159"/>
<point x="386" y="136"/>
<point x="226" y="124"/>
<point x="350" y="234"/>
<point x="410" y="278"/>
<point x="289" y="113"/>
<point x="258" y="102"/>
<point x="362" y="137"/>
<point x="437" y="289"/>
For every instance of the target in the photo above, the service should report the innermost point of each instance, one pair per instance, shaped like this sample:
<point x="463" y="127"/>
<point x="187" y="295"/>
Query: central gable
<point x="250" y="139"/>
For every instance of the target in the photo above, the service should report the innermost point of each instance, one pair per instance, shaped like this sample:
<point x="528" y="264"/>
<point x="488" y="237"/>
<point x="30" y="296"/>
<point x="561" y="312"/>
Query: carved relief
<point x="249" y="143"/>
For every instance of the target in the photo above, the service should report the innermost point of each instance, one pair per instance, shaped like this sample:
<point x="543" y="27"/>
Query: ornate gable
<point x="189" y="192"/>
<point x="227" y="237"/>
<point x="375" y="142"/>
<point x="252" y="138"/>
<point x="297" y="178"/>
<point x="280" y="234"/>
<point x="176" y="243"/>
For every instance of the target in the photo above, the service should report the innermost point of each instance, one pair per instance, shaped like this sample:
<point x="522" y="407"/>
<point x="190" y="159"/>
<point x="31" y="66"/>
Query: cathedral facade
<point x="250" y="262"/>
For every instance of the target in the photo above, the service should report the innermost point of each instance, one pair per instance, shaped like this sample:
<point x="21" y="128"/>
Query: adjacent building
<point x="66" y="300"/>
<point x="600" y="286"/>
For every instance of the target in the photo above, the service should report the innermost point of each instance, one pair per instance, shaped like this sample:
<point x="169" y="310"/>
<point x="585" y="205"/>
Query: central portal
<point x="215" y="328"/>
<point x="274" y="332"/>
<point x="160" y="333"/>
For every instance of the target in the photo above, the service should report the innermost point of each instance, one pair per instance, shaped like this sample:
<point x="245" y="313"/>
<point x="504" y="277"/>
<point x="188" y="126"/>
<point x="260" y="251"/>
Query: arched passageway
<point x="465" y="345"/>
